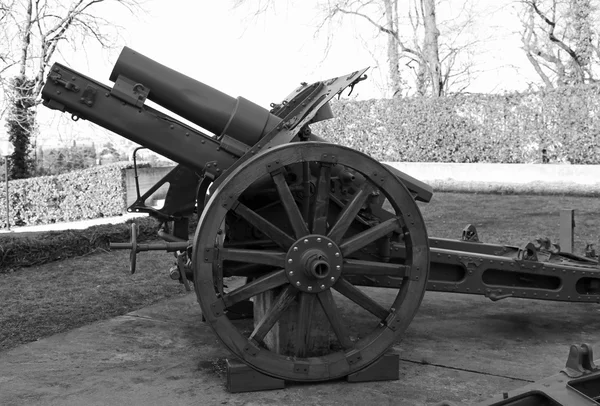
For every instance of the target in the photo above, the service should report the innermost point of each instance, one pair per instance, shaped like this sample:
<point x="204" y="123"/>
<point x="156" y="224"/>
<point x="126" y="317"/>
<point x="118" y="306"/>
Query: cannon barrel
<point x="201" y="104"/>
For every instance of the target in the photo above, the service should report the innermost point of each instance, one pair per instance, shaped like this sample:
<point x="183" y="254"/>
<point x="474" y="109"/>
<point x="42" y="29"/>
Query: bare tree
<point x="422" y="52"/>
<point x="33" y="31"/>
<point x="560" y="40"/>
<point x="420" y="49"/>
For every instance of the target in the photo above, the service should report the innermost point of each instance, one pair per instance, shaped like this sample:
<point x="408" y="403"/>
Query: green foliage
<point x="511" y="128"/>
<point x="21" y="124"/>
<point x="86" y="194"/>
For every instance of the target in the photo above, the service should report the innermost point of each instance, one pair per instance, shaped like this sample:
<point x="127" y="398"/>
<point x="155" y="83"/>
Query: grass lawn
<point x="39" y="301"/>
<point x="43" y="300"/>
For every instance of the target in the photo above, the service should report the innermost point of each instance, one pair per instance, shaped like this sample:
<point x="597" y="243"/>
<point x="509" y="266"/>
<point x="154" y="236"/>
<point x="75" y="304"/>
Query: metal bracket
<point x="211" y="170"/>
<point x="251" y="349"/>
<point x="353" y="357"/>
<point x="392" y="321"/>
<point x="57" y="79"/>
<point x="527" y="252"/>
<point x="469" y="234"/>
<point x="218" y="308"/>
<point x="89" y="96"/>
<point x="329" y="158"/>
<point x="230" y="203"/>
<point x="129" y="91"/>
<point x="274" y="167"/>
<point x="580" y="361"/>
<point x="211" y="254"/>
<point x="233" y="146"/>
<point x="301" y="367"/>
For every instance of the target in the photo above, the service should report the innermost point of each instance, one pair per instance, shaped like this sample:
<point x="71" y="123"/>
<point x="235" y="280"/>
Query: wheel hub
<point x="313" y="263"/>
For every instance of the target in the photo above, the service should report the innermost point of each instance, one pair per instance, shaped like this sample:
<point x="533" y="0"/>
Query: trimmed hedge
<point x="40" y="248"/>
<point x="85" y="194"/>
<point x="30" y="249"/>
<point x="510" y="128"/>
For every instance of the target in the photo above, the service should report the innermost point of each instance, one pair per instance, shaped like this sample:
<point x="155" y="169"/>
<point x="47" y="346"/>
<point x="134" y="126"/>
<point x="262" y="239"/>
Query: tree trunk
<point x="391" y="14"/>
<point x="431" y="48"/>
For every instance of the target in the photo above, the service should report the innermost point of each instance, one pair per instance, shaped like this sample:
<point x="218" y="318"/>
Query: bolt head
<point x="322" y="286"/>
<point x="291" y="273"/>
<point x="310" y="288"/>
<point x="298" y="283"/>
<point x="306" y="241"/>
<point x="295" y="248"/>
<point x="290" y="261"/>
<point x="337" y="254"/>
<point x="338" y="267"/>
<point x="329" y="245"/>
<point x="318" y="240"/>
<point x="332" y="278"/>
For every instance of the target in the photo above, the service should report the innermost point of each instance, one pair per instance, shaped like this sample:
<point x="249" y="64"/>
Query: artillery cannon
<point x="286" y="219"/>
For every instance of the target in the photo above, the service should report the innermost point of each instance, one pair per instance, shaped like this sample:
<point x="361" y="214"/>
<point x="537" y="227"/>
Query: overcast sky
<point x="264" y="58"/>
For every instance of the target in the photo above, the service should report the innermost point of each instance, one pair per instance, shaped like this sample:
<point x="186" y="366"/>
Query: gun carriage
<point x="295" y="218"/>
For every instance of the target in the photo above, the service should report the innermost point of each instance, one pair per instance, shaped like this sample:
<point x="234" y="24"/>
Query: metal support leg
<point x="567" y="224"/>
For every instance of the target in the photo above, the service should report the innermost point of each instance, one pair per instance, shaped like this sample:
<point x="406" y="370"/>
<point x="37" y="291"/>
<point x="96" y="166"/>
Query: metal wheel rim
<point x="363" y="352"/>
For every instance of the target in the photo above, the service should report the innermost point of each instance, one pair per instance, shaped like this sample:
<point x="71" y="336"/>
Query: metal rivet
<point x="291" y="273"/>
<point x="318" y="240"/>
<point x="295" y="248"/>
<point x="290" y="261"/>
<point x="322" y="286"/>
<point x="338" y="267"/>
<point x="332" y="278"/>
<point x="337" y="254"/>
<point x="298" y="283"/>
<point x="305" y="241"/>
<point x="310" y="288"/>
<point x="330" y="245"/>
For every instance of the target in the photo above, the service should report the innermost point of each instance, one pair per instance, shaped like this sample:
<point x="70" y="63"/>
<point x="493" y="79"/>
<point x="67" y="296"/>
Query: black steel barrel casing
<point x="201" y="104"/>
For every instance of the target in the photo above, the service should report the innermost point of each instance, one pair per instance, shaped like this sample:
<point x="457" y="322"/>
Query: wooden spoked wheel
<point x="301" y="221"/>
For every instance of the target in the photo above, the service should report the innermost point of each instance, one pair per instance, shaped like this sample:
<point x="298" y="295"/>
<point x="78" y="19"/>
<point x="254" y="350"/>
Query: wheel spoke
<point x="319" y="224"/>
<point x="305" y="314"/>
<point x="257" y="286"/>
<point x="290" y="206"/>
<point x="349" y="213"/>
<point x="372" y="268"/>
<point x="361" y="240"/>
<point x="277" y="235"/>
<point x="247" y="270"/>
<point x="333" y="315"/>
<point x="285" y="298"/>
<point x="274" y="258"/>
<point x="357" y="296"/>
<point x="305" y="190"/>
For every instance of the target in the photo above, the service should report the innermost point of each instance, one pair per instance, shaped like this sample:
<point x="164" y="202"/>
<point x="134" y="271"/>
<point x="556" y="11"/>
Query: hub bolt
<point x="290" y="261"/>
<point x="337" y="254"/>
<point x="332" y="278"/>
<point x="329" y="245"/>
<point x="322" y="286"/>
<point x="318" y="240"/>
<point x="298" y="283"/>
<point x="295" y="248"/>
<point x="338" y="267"/>
<point x="291" y="273"/>
<point x="310" y="288"/>
<point x="306" y="241"/>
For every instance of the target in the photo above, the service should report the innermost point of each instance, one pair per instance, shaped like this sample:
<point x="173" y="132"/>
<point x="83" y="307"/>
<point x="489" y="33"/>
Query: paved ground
<point x="460" y="348"/>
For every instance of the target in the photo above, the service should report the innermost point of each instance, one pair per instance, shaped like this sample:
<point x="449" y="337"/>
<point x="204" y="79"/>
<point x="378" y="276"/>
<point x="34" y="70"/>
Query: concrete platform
<point x="460" y="348"/>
